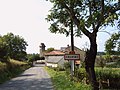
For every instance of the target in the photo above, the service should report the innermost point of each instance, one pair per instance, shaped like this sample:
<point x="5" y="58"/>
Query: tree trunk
<point x="90" y="62"/>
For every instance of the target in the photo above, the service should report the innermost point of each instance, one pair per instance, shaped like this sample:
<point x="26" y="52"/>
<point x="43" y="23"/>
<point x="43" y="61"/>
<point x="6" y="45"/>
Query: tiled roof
<point x="55" y="52"/>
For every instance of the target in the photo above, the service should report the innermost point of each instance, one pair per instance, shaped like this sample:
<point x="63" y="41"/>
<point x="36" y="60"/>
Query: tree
<point x="3" y="50"/>
<point x="16" y="46"/>
<point x="112" y="45"/>
<point x="89" y="16"/>
<point x="49" y="50"/>
<point x="33" y="57"/>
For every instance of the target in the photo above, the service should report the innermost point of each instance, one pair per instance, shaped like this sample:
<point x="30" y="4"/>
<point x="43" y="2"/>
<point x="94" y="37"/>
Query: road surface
<point x="35" y="78"/>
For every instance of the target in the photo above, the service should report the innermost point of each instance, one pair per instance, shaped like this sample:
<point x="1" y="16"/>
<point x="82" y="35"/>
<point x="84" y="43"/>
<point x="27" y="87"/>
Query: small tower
<point x="42" y="49"/>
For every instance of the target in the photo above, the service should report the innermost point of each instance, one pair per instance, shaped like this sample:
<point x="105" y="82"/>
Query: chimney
<point x="68" y="45"/>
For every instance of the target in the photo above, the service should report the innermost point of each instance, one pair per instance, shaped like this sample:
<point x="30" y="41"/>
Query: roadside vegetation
<point x="86" y="17"/>
<point x="107" y="70"/>
<point x="13" y="47"/>
<point x="108" y="77"/>
<point x="11" y="69"/>
<point x="13" y="56"/>
<point x="35" y="58"/>
<point x="62" y="81"/>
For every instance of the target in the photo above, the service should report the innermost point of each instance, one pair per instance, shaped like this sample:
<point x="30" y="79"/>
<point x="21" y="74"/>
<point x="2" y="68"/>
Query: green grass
<point x="62" y="82"/>
<point x="11" y="69"/>
<point x="114" y="65"/>
<point x="108" y="73"/>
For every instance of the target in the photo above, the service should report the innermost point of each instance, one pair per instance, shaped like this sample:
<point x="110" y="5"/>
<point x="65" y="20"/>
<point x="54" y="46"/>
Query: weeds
<point x="11" y="69"/>
<point x="61" y="81"/>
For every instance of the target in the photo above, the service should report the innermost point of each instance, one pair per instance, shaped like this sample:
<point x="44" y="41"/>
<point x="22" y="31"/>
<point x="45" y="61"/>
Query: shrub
<point x="100" y="61"/>
<point x="81" y="75"/>
<point x="107" y="58"/>
<point x="42" y="58"/>
<point x="67" y="67"/>
<point x="61" y="81"/>
<point x="114" y="65"/>
<point x="116" y="58"/>
<point x="110" y="74"/>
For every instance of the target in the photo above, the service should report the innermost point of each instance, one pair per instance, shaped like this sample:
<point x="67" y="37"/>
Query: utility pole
<point x="72" y="43"/>
<point x="72" y="49"/>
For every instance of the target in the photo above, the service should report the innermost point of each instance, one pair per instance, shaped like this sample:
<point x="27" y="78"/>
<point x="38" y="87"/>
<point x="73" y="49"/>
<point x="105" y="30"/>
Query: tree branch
<point x="90" y="11"/>
<point x="105" y="15"/>
<point x="102" y="11"/>
<point x="74" y="18"/>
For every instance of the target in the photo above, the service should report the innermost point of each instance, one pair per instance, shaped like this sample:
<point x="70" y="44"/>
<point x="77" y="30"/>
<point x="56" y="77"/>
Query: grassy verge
<point x="61" y="81"/>
<point x="11" y="69"/>
<point x="108" y="78"/>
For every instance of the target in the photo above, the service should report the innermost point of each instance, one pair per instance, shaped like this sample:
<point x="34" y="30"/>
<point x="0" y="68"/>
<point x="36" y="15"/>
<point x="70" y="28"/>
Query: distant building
<point x="67" y="49"/>
<point x="55" y="58"/>
<point x="42" y="49"/>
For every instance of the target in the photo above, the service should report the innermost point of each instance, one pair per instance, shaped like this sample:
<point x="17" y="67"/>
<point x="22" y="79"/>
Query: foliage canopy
<point x="112" y="45"/>
<point x="13" y="46"/>
<point x="89" y="16"/>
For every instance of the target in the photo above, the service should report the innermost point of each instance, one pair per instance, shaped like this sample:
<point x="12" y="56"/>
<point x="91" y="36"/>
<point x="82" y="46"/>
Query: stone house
<point x="55" y="58"/>
<point x="67" y="49"/>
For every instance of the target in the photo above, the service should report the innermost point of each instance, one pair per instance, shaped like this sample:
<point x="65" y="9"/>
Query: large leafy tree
<point x="3" y="50"/>
<point x="89" y="16"/>
<point x="16" y="46"/>
<point x="112" y="45"/>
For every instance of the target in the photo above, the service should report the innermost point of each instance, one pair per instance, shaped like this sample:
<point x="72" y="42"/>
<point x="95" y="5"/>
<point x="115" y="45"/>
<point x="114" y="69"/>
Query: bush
<point x="42" y="58"/>
<point x="116" y="58"/>
<point x="61" y="81"/>
<point x="33" y="57"/>
<point x="67" y="67"/>
<point x="107" y="58"/>
<point x="110" y="74"/>
<point x="114" y="65"/>
<point x="81" y="75"/>
<point x="100" y="61"/>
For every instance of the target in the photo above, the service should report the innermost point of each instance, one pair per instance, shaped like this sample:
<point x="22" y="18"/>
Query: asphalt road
<point x="35" y="78"/>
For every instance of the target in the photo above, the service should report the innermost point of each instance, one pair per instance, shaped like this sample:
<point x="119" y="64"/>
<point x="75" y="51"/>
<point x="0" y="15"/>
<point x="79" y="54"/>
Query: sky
<point x="26" y="18"/>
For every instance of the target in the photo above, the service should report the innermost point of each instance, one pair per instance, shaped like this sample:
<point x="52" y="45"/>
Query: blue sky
<point x="27" y="19"/>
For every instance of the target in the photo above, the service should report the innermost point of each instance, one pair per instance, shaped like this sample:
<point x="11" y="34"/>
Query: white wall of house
<point x="51" y="64"/>
<point x="55" y="60"/>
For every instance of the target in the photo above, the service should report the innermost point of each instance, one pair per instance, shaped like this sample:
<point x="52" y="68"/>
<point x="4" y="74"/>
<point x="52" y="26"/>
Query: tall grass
<point x="61" y="81"/>
<point x="11" y="69"/>
<point x="109" y="77"/>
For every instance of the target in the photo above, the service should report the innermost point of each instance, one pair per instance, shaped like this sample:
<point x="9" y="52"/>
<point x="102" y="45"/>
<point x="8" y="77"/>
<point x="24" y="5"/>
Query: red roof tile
<point x="55" y="52"/>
